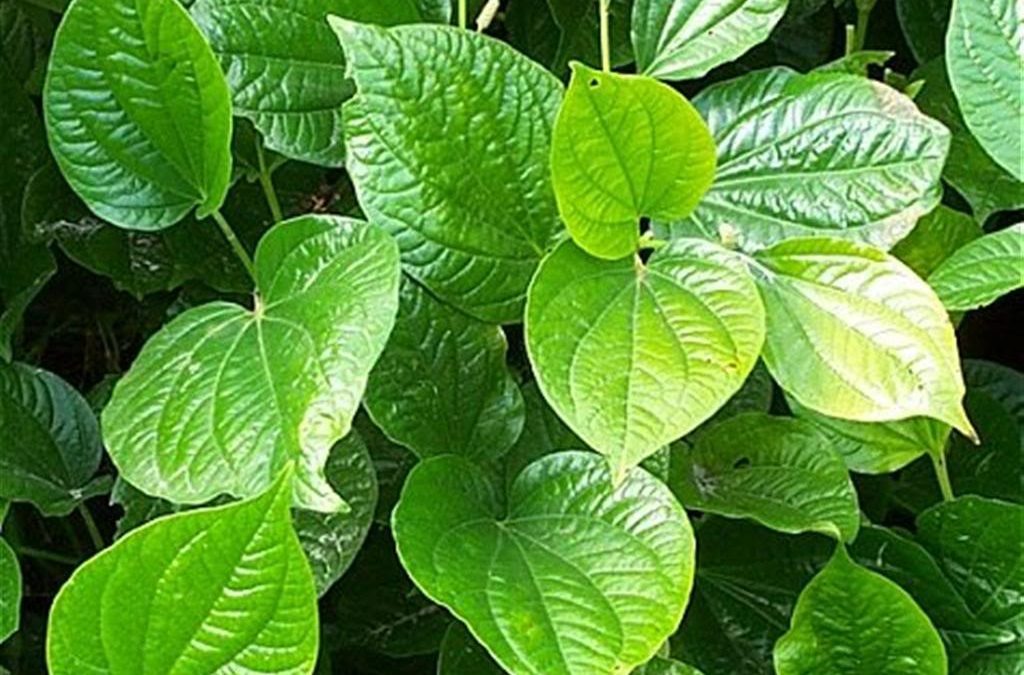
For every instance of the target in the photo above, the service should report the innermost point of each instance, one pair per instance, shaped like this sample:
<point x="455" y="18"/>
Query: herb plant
<point x="592" y="337"/>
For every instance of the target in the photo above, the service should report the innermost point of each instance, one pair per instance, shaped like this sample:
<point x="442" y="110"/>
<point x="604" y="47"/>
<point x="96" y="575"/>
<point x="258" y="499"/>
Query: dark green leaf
<point x="10" y="591"/>
<point x="461" y="654"/>
<point x="935" y="238"/>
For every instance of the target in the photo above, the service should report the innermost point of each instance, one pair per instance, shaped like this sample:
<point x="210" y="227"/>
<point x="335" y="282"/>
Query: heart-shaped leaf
<point x="465" y="189"/>
<point x="225" y="589"/>
<point x="854" y="334"/>
<point x="982" y="271"/>
<point x="572" y="577"/>
<point x="10" y="591"/>
<point x="632" y="355"/>
<point x="138" y="113"/>
<point x="223" y="397"/>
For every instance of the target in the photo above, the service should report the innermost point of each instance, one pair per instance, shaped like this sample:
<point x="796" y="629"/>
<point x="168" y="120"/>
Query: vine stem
<point x="268" y="185"/>
<point x="939" y="462"/>
<point x="606" y="51"/>
<point x="40" y="554"/>
<point x="90" y="526"/>
<point x="462" y="14"/>
<point x="236" y="245"/>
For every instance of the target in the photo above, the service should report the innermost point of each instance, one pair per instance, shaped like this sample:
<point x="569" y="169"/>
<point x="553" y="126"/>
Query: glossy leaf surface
<point x="981" y="271"/>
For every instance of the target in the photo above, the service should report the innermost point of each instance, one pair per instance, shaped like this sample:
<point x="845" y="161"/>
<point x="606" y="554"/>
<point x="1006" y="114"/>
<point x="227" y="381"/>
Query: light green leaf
<point x="225" y="589"/>
<point x="441" y="386"/>
<point x="10" y="592"/>
<point x="223" y="397"/>
<point x="575" y="578"/>
<point x="924" y="25"/>
<point x="138" y="113"/>
<point x="626" y="146"/>
<point x="461" y="654"/>
<point x="854" y="334"/>
<point x="935" y="238"/>
<point x="850" y="621"/>
<point x="778" y="471"/>
<point x="477" y="169"/>
<point x="879" y="175"/>
<point x="635" y="355"/>
<point x="985" y="61"/>
<point x="856" y="63"/>
<point x="660" y="666"/>
<point x="684" y="39"/>
<point x="981" y="271"/>
<point x="50" y="447"/>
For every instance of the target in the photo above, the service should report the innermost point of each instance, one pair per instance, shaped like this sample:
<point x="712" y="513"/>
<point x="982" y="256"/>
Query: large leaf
<point x="575" y="577"/>
<point x="634" y="355"/>
<point x="10" y="591"/>
<point x="50" y="447"/>
<point x="138" y="113"/>
<point x="684" y="39"/>
<point x="981" y="271"/>
<point x="850" y="620"/>
<point x="936" y="237"/>
<point x="462" y="183"/>
<point x="878" y="174"/>
<point x="854" y="334"/>
<point x="778" y="471"/>
<point x="985" y="61"/>
<point x="626" y="146"/>
<point x="225" y="589"/>
<point x="222" y="397"/>
<point x="441" y="385"/>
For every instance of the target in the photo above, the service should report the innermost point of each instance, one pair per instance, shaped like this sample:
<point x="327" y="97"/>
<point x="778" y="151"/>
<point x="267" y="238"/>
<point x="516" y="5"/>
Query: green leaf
<point x="981" y="271"/>
<point x="50" y="448"/>
<point x="1004" y="385"/>
<point x="985" y="61"/>
<point x="924" y="25"/>
<point x="684" y="39"/>
<point x="935" y="238"/>
<point x="138" y="113"/>
<point x="754" y="396"/>
<point x="479" y="168"/>
<point x="10" y="592"/>
<point x="575" y="578"/>
<point x="626" y="146"/>
<point x="854" y="334"/>
<point x="441" y="385"/>
<point x="851" y="620"/>
<point x="660" y="666"/>
<point x="880" y="175"/>
<point x="857" y="63"/>
<point x="461" y="654"/>
<point x="223" y="397"/>
<point x="223" y="589"/>
<point x="635" y="355"/>
<point x="778" y="471"/>
<point x="544" y="433"/>
<point x="25" y="35"/>
<point x="391" y="463"/>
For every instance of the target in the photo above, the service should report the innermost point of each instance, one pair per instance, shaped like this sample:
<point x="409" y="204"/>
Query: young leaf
<point x="479" y="168"/>
<point x="936" y="237"/>
<point x="854" y="334"/>
<point x="577" y="577"/>
<point x="880" y="175"/>
<point x="778" y="471"/>
<point x="985" y="61"/>
<point x="850" y="621"/>
<point x="981" y="271"/>
<point x="626" y="146"/>
<point x="441" y="386"/>
<point x="10" y="591"/>
<point x="50" y="447"/>
<point x="684" y="39"/>
<point x="138" y="113"/>
<point x="632" y="355"/>
<point x="225" y="589"/>
<point x="223" y="397"/>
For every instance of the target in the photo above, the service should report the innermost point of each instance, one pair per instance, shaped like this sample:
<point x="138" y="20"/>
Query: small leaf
<point x="576" y="578"/>
<point x="138" y="113"/>
<point x="684" y="39"/>
<point x="981" y="271"/>
<point x="935" y="238"/>
<point x="850" y="620"/>
<point x="220" y="589"/>
<point x="633" y="356"/>
<point x="626" y="146"/>
<point x="10" y="592"/>
<point x="223" y="397"/>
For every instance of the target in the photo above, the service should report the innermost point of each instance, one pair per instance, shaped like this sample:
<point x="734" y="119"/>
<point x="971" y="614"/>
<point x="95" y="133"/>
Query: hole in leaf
<point x="593" y="82"/>
<point x="645" y="254"/>
<point x="741" y="463"/>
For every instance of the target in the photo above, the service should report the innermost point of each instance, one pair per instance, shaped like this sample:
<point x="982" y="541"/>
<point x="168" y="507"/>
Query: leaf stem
<point x="462" y="14"/>
<point x="860" y="33"/>
<point x="90" y="526"/>
<point x="606" y="55"/>
<point x="939" y="462"/>
<point x="236" y="245"/>
<point x="268" y="185"/>
<point x="40" y="554"/>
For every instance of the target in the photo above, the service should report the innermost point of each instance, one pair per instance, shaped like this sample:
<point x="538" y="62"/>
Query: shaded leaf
<point x="10" y="591"/>
<point x="935" y="238"/>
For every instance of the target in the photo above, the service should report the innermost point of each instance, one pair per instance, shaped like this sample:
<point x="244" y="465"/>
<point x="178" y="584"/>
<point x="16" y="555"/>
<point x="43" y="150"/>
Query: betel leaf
<point x="441" y="386"/>
<point x="779" y="471"/>
<point x="626" y="146"/>
<point x="755" y="395"/>
<point x="224" y="589"/>
<point x="985" y="61"/>
<point x="850" y="620"/>
<point x="936" y="237"/>
<point x="572" y="577"/>
<point x="465" y="189"/>
<point x="10" y="591"/>
<point x="543" y="433"/>
<point x="684" y="39"/>
<point x="391" y="463"/>
<point x="981" y="271"/>
<point x="924" y="25"/>
<point x="634" y="355"/>
<point x="879" y="175"/>
<point x="853" y="333"/>
<point x="138" y="113"/>
<point x="223" y="397"/>
<point x="661" y="666"/>
<point x="50" y="447"/>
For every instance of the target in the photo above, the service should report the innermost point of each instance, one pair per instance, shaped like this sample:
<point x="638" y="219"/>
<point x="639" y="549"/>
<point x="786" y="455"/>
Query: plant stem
<point x="606" y="52"/>
<point x="939" y="462"/>
<point x="268" y="185"/>
<point x="236" y="245"/>
<point x="40" y="554"/>
<point x="90" y="526"/>
<point x="860" y="33"/>
<point x="462" y="14"/>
